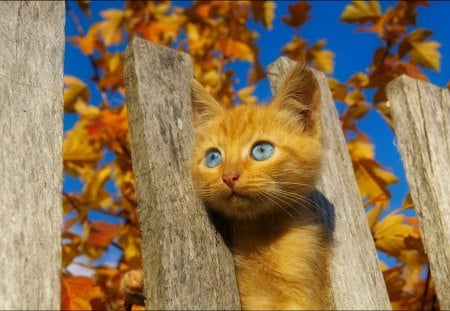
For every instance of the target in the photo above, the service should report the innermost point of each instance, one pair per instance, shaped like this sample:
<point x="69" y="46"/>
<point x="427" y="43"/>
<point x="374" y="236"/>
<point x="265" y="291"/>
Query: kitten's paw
<point x="132" y="287"/>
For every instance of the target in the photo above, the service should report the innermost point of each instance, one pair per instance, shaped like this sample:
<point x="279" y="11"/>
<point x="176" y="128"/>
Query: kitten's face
<point x="274" y="165"/>
<point x="251" y="160"/>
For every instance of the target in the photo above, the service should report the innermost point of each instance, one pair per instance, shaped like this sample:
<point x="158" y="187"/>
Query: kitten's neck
<point x="268" y="227"/>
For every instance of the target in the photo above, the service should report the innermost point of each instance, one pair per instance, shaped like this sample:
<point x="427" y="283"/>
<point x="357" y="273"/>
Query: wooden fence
<point x="187" y="265"/>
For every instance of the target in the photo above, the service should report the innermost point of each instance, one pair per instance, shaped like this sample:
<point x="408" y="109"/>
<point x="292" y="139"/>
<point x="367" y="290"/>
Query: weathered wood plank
<point x="356" y="280"/>
<point x="31" y="88"/>
<point x="186" y="263"/>
<point x="421" y="115"/>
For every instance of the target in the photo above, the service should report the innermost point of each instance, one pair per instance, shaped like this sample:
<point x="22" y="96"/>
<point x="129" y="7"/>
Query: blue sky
<point x="353" y="53"/>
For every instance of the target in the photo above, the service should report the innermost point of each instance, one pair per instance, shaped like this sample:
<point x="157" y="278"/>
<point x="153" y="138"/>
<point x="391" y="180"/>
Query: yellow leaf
<point x="110" y="28"/>
<point x="360" y="149"/>
<point x="390" y="233"/>
<point x="264" y="11"/>
<point x="373" y="215"/>
<point x="426" y="54"/>
<point x="79" y="153"/>
<point x="295" y="48"/>
<point x="359" y="80"/>
<point x="246" y="95"/>
<point x="76" y="92"/>
<point x="371" y="177"/>
<point x="338" y="89"/>
<point x="324" y="60"/>
<point x="92" y="189"/>
<point x="361" y="12"/>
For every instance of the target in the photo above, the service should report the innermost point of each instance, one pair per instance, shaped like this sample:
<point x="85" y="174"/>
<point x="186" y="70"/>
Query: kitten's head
<point x="250" y="160"/>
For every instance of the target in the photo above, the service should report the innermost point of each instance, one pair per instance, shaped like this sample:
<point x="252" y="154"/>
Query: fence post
<point x="421" y="115"/>
<point x="186" y="263"/>
<point x="356" y="279"/>
<point x="31" y="99"/>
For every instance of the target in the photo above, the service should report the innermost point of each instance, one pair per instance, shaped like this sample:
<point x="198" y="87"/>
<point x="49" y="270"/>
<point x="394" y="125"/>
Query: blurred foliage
<point x="215" y="34"/>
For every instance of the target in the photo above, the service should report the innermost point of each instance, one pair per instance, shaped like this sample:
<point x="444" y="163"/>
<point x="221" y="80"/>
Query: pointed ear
<point x="204" y="106"/>
<point x="300" y="95"/>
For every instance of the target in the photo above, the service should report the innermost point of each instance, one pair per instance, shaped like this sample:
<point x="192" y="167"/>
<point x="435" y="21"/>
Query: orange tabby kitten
<point x="257" y="165"/>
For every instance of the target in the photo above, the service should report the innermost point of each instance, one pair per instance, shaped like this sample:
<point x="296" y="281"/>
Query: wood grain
<point x="186" y="263"/>
<point x="31" y="171"/>
<point x="421" y="115"/>
<point x="356" y="280"/>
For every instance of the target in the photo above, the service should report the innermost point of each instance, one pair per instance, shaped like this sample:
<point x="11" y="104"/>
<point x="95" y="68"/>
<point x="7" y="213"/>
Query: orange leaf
<point x="102" y="233"/>
<point x="88" y="43"/>
<point x="236" y="49"/>
<point x="77" y="291"/>
<point x="411" y="70"/>
<point x="112" y="64"/>
<point x="299" y="14"/>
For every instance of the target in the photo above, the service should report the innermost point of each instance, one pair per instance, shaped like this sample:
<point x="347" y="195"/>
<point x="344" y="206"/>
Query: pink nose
<point x="230" y="179"/>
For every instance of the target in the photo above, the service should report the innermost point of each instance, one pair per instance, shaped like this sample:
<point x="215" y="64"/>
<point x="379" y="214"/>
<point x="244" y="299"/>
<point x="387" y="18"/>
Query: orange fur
<point x="280" y="245"/>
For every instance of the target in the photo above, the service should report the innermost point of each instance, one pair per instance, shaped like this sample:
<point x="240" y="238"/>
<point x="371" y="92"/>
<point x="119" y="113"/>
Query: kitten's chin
<point x="238" y="206"/>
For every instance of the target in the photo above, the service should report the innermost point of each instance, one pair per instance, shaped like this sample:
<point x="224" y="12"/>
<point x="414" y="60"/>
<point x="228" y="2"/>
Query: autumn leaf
<point x="372" y="179"/>
<point x="155" y="30"/>
<point x="426" y="54"/>
<point x="83" y="5"/>
<point x="93" y="194"/>
<point x="90" y="42"/>
<point x="76" y="93"/>
<point x="417" y="35"/>
<point x="394" y="283"/>
<point x="373" y="215"/>
<point x="359" y="80"/>
<point x="295" y="48"/>
<point x="246" y="95"/>
<point x="299" y="14"/>
<point x="77" y="292"/>
<point x="324" y="61"/>
<point x="361" y="12"/>
<point x="390" y="234"/>
<point x="264" y="11"/>
<point x="112" y="64"/>
<point x="411" y="70"/>
<point x="338" y="89"/>
<point x="110" y="28"/>
<point x="102" y="233"/>
<point x="79" y="153"/>
<point x="236" y="49"/>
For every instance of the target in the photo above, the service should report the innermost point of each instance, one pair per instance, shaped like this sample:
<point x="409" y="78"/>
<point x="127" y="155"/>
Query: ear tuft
<point x="300" y="95"/>
<point x="204" y="106"/>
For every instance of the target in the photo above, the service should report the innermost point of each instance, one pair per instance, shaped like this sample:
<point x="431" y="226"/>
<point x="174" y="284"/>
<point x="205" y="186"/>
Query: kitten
<point x="257" y="165"/>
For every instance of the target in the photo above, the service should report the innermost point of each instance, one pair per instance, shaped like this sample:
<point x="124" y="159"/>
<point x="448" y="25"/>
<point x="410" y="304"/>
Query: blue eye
<point x="213" y="158"/>
<point x="262" y="151"/>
